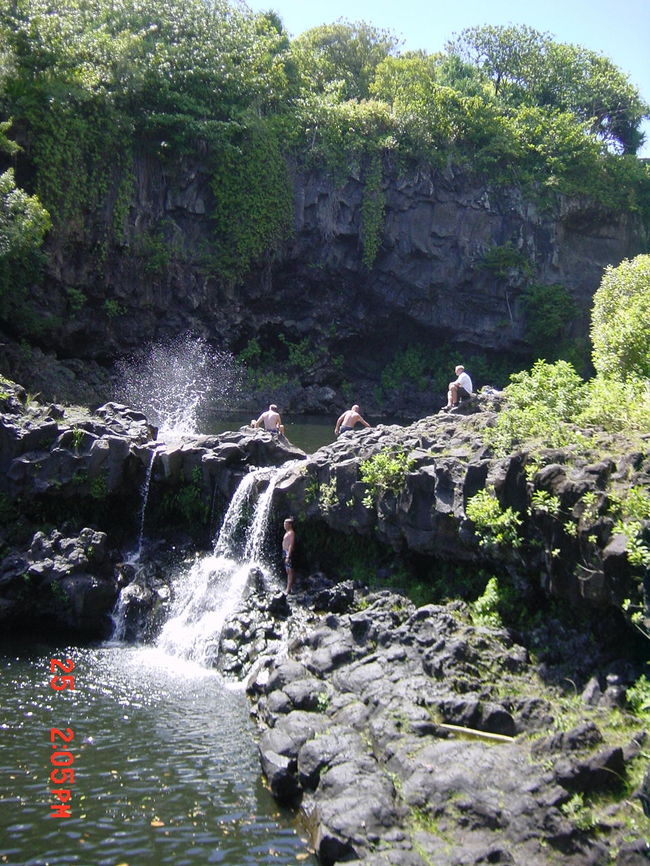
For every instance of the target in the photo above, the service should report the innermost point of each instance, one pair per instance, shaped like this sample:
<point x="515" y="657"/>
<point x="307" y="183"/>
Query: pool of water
<point x="164" y="759"/>
<point x="308" y="432"/>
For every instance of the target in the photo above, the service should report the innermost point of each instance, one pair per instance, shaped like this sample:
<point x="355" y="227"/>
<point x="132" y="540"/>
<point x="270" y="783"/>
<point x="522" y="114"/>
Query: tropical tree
<point x="24" y="223"/>
<point x="23" y="219"/>
<point x="526" y="66"/>
<point x="343" y="57"/>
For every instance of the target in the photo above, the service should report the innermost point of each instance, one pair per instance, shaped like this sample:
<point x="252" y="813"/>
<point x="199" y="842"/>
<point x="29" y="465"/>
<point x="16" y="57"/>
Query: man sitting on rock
<point x="270" y="420"/>
<point x="460" y="389"/>
<point x="348" y="420"/>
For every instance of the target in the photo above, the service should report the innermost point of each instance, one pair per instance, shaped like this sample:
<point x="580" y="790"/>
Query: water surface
<point x="308" y="432"/>
<point x="166" y="767"/>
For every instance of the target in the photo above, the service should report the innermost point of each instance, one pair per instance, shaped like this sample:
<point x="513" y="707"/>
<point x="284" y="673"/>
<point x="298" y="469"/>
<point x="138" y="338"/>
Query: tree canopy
<point x="525" y="66"/>
<point x="90" y="82"/>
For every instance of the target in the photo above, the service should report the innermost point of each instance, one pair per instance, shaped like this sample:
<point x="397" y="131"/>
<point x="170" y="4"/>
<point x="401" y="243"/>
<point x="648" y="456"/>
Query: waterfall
<point x="254" y="551"/>
<point x="119" y="619"/>
<point x="234" y="516"/>
<point x="145" y="497"/>
<point x="208" y="592"/>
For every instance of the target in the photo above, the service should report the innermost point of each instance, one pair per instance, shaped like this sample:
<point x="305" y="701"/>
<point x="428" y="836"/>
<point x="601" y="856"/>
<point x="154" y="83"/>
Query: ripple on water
<point x="165" y="765"/>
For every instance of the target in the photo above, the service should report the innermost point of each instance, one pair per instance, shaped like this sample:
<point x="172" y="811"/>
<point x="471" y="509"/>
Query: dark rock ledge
<point x="409" y="737"/>
<point x="361" y="696"/>
<point x="71" y="505"/>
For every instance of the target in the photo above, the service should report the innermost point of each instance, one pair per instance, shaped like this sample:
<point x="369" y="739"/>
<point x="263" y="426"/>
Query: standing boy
<point x="288" y="544"/>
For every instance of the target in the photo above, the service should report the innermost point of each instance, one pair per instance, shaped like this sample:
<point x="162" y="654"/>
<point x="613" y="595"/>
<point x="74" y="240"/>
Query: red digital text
<point x="62" y="758"/>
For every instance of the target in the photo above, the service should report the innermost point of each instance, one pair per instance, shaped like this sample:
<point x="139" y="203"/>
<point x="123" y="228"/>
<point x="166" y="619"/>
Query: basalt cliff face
<point x="429" y="282"/>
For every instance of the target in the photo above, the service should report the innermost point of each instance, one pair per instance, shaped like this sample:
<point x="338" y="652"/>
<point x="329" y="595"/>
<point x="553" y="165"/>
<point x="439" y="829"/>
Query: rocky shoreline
<point x="410" y="736"/>
<point x="407" y="735"/>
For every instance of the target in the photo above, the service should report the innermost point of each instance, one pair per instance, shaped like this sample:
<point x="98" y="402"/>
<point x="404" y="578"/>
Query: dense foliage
<point x="23" y="224"/>
<point x="551" y="402"/>
<point x="88" y="83"/>
<point x="620" y="324"/>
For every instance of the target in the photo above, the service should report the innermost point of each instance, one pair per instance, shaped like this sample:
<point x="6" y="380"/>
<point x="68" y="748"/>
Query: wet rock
<point x="336" y="599"/>
<point x="278" y="770"/>
<point x="373" y="751"/>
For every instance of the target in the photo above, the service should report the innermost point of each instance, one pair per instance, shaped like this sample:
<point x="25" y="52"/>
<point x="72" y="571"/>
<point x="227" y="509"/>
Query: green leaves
<point x="620" y="323"/>
<point x="541" y="404"/>
<point x="253" y="199"/>
<point x="385" y="471"/>
<point x="23" y="220"/>
<point x="494" y="526"/>
<point x="527" y="67"/>
<point x="88" y="81"/>
<point x="342" y="54"/>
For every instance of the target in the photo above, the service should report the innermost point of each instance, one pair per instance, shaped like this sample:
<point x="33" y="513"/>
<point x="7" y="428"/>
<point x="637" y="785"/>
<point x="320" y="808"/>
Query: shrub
<point x="638" y="697"/>
<point x="620" y="320"/>
<point x="549" y="310"/>
<point x="485" y="610"/>
<point x="385" y="471"/>
<point x="493" y="525"/>
<point x="539" y="405"/>
<point x="616" y="405"/>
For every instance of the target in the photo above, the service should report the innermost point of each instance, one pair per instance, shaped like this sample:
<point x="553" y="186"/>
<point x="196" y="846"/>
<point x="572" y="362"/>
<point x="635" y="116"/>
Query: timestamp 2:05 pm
<point x="62" y="759"/>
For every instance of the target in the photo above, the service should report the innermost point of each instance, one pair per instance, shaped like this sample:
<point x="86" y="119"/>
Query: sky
<point x="620" y="29"/>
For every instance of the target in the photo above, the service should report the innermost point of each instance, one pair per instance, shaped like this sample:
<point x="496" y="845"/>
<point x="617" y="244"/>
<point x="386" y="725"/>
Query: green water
<point x="308" y="432"/>
<point x="165" y="763"/>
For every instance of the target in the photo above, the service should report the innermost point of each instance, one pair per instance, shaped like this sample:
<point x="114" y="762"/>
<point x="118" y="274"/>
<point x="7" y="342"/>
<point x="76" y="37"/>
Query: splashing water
<point x="174" y="381"/>
<point x="207" y="594"/>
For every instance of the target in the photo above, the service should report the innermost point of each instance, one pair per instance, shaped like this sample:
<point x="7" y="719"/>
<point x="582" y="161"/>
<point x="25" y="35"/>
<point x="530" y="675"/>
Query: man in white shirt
<point x="460" y="388"/>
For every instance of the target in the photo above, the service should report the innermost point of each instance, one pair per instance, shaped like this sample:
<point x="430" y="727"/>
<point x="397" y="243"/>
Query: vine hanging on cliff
<point x="372" y="211"/>
<point x="253" y="195"/>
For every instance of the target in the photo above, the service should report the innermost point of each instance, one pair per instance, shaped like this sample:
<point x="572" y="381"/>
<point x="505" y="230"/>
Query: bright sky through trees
<point x="617" y="28"/>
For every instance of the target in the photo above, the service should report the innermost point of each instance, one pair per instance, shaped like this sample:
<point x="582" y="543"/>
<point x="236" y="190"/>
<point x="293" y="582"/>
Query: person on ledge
<point x="348" y="420"/>
<point x="288" y="544"/>
<point x="270" y="420"/>
<point x="460" y="388"/>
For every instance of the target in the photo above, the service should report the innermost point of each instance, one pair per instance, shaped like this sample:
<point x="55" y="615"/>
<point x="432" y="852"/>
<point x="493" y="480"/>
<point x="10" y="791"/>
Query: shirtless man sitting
<point x="348" y="420"/>
<point x="270" y="420"/>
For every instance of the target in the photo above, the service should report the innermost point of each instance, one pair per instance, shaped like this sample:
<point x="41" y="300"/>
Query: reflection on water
<point x="166" y="769"/>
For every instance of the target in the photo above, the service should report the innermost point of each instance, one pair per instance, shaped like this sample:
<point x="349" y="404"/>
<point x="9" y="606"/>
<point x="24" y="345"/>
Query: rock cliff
<point x="430" y="282"/>
<point x="564" y="538"/>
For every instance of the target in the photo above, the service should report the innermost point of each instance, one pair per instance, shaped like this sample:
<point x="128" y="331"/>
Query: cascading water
<point x="254" y="550"/>
<point x="119" y="619"/>
<point x="145" y="497"/>
<point x="234" y="516"/>
<point x="209" y="591"/>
